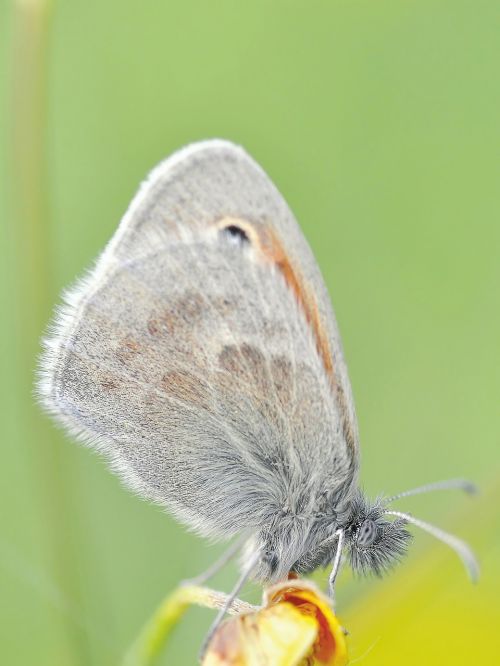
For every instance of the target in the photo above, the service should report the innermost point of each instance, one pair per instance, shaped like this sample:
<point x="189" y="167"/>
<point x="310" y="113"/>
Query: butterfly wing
<point x="201" y="355"/>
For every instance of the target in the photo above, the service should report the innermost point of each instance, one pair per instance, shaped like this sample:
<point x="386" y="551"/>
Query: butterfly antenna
<point x="460" y="547"/>
<point x="450" y="484"/>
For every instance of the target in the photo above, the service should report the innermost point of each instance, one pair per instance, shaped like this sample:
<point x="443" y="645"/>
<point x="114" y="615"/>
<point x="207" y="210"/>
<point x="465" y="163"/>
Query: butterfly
<point x="202" y="358"/>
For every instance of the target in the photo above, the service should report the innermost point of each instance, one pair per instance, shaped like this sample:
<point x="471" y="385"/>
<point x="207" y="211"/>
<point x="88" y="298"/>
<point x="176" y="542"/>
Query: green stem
<point x="157" y="630"/>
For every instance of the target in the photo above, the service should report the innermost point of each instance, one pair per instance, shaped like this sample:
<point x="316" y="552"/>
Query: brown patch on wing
<point x="154" y="326"/>
<point x="186" y="387"/>
<point x="108" y="382"/>
<point x="281" y="371"/>
<point x="183" y="313"/>
<point x="246" y="361"/>
<point x="127" y="349"/>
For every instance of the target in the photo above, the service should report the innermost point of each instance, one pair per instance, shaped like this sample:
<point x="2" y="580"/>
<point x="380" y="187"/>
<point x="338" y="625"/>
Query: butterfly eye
<point x="367" y="533"/>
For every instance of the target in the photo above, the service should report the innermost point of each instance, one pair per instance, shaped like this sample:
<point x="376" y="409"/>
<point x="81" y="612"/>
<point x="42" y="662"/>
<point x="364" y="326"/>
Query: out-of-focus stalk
<point x="29" y="240"/>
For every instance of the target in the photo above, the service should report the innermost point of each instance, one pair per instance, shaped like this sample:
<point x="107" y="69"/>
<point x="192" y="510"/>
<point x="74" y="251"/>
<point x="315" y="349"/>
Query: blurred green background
<point x="379" y="122"/>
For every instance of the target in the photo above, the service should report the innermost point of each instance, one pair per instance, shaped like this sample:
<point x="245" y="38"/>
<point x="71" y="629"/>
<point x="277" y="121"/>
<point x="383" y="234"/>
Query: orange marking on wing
<point x="274" y="251"/>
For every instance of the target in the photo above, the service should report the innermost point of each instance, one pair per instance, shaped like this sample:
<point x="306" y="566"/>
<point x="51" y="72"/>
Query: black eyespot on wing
<point x="236" y="234"/>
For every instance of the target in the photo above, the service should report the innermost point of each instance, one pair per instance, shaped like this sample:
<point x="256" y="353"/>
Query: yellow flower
<point x="295" y="627"/>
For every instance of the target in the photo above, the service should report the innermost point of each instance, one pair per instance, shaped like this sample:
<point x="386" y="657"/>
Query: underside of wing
<point x="201" y="355"/>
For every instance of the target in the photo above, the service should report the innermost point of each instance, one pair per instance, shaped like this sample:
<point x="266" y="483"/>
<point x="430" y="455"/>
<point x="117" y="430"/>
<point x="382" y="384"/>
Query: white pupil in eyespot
<point x="367" y="533"/>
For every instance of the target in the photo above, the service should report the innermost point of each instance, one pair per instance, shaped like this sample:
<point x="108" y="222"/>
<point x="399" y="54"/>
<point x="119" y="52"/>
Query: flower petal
<point x="329" y="648"/>
<point x="277" y="636"/>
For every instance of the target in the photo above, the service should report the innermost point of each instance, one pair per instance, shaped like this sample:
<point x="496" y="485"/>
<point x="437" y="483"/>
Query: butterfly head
<point x="374" y="542"/>
<point x="376" y="538"/>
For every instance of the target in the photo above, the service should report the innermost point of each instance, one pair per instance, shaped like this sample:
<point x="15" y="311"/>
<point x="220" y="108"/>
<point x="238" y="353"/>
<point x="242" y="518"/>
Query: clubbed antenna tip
<point x="449" y="484"/>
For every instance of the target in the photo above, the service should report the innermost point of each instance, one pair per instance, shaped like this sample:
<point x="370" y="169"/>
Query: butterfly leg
<point x="232" y="596"/>
<point x="219" y="564"/>
<point x="336" y="565"/>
